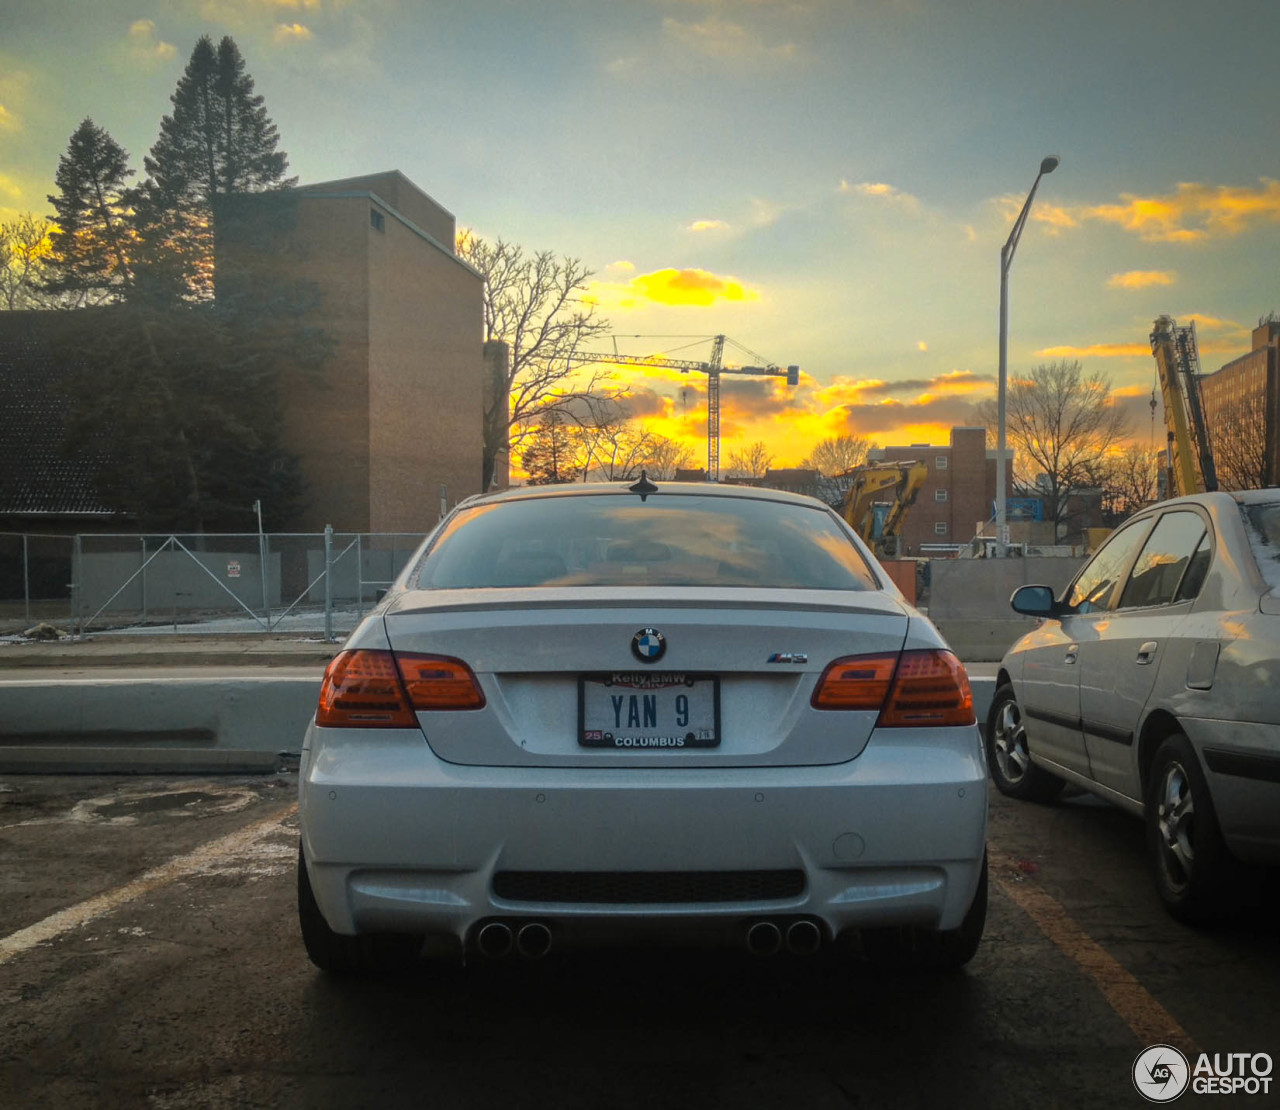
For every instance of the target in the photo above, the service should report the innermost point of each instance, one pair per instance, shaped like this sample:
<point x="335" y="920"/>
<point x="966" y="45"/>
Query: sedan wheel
<point x="1195" y="874"/>
<point x="1008" y="756"/>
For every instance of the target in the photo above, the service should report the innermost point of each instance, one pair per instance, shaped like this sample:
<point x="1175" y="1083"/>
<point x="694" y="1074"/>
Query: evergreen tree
<point x="90" y="245"/>
<point x="217" y="142"/>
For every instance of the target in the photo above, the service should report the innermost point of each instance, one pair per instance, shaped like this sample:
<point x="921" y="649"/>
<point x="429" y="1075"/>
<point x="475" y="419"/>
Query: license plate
<point x="648" y="711"/>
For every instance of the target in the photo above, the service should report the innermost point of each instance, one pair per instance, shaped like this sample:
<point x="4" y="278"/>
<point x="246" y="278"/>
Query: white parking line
<point x="193" y="863"/>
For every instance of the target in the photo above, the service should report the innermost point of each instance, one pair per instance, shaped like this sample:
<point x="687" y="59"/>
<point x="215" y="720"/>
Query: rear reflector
<point x="919" y="687"/>
<point x="361" y="689"/>
<point x="378" y="689"/>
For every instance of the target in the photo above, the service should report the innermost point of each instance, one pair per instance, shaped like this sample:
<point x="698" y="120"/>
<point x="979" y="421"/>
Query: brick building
<point x="959" y="492"/>
<point x="1242" y="410"/>
<point x="396" y="414"/>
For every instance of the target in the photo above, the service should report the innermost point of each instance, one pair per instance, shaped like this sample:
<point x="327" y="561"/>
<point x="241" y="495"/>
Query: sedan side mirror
<point x="1036" y="601"/>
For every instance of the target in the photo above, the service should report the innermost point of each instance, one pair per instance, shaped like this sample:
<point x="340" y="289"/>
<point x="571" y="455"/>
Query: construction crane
<point x="872" y="486"/>
<point x="713" y="368"/>
<point x="1189" y="457"/>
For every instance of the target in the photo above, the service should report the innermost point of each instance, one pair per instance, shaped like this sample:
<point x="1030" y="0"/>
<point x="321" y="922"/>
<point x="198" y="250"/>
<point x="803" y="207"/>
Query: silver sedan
<point x="1154" y="682"/>
<point x="660" y="711"/>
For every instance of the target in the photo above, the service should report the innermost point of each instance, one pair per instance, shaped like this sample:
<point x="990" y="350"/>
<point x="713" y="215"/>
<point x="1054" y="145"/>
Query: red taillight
<point x="920" y="687"/>
<point x="361" y="689"/>
<point x="855" y="682"/>
<point x="438" y="682"/>
<point x="378" y="689"/>
<point x="930" y="688"/>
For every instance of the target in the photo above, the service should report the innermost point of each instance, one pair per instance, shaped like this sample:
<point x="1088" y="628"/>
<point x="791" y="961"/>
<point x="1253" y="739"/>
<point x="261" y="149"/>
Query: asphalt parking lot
<point x="149" y="957"/>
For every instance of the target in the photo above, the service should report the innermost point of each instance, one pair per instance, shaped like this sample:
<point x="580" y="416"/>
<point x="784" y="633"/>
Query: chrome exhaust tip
<point x="494" y="940"/>
<point x="533" y="941"/>
<point x="764" y="938"/>
<point x="804" y="938"/>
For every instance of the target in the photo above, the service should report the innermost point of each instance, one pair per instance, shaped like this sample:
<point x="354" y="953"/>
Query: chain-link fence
<point x="296" y="583"/>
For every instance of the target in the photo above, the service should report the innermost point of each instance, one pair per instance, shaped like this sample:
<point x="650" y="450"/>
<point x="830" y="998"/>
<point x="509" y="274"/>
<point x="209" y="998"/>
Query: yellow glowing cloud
<point x="290" y="32"/>
<point x="922" y="346"/>
<point x="708" y="225"/>
<point x="689" y="287"/>
<point x="1141" y="279"/>
<point x="8" y="121"/>
<point x="145" y="46"/>
<point x="1193" y="212"/>
<point x="719" y="38"/>
<point x="1054" y="215"/>
<point x="1098" y="350"/>
<point x="879" y="190"/>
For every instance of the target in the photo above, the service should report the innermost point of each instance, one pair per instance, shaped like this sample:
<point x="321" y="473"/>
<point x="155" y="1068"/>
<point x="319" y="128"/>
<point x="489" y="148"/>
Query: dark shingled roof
<point x="35" y="478"/>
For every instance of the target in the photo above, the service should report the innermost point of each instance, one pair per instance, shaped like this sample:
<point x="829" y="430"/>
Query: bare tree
<point x="1129" y="480"/>
<point x="750" y="462"/>
<point x="24" y="244"/>
<point x="532" y="303"/>
<point x="836" y="454"/>
<point x="665" y="456"/>
<point x="1061" y="425"/>
<point x="1240" y="443"/>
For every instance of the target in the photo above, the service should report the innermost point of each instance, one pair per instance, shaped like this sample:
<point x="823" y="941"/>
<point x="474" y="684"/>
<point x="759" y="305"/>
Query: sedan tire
<point x="333" y="952"/>
<point x="1008" y="756"/>
<point x="1195" y="873"/>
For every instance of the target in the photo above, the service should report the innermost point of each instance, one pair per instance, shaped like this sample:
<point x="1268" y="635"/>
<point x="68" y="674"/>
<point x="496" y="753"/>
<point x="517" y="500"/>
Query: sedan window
<point x="1164" y="561"/>
<point x="1096" y="585"/>
<point x="670" y="540"/>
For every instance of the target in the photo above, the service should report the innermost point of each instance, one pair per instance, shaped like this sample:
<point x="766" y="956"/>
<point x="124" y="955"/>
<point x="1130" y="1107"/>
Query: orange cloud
<point x="879" y="190"/>
<point x="1193" y="212"/>
<point x="1098" y="350"/>
<point x="1141" y="279"/>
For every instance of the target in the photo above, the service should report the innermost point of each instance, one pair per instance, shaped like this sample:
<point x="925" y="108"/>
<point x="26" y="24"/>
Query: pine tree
<point x="91" y="244"/>
<point x="218" y="141"/>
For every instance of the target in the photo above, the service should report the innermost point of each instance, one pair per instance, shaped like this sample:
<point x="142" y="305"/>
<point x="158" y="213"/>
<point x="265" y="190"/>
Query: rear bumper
<point x="1241" y="761"/>
<point x="397" y="840"/>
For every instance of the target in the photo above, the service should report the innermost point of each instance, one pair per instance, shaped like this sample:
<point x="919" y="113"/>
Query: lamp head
<point x="1048" y="165"/>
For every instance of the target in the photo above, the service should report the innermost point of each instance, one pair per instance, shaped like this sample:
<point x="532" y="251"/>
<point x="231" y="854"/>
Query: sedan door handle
<point x="1072" y="652"/>
<point x="1147" y="652"/>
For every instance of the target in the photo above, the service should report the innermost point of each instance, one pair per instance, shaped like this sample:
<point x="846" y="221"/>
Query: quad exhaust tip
<point x="804" y="938"/>
<point x="533" y="941"/>
<point x="764" y="938"/>
<point x="494" y="940"/>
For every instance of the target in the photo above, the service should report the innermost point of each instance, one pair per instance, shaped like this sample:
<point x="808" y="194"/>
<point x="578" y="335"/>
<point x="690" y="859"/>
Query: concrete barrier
<point x="230" y="722"/>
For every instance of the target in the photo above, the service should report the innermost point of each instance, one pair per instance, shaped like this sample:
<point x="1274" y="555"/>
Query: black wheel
<point x="332" y="951"/>
<point x="1195" y="873"/>
<point x="931" y="949"/>
<point x="1008" y="757"/>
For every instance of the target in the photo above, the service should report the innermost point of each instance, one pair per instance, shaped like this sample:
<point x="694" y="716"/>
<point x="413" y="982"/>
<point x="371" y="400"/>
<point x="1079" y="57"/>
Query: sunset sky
<point x="827" y="182"/>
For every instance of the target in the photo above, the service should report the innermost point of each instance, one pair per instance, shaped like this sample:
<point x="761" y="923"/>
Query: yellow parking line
<point x="1150" y="1022"/>
<point x="180" y="867"/>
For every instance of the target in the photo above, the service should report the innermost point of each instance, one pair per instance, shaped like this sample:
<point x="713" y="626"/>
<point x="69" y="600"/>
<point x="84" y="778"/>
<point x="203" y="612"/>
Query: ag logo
<point x="648" y="645"/>
<point x="1161" y="1073"/>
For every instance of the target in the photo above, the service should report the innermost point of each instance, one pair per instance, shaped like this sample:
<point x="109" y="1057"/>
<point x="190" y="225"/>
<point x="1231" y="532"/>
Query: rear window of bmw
<point x="670" y="540"/>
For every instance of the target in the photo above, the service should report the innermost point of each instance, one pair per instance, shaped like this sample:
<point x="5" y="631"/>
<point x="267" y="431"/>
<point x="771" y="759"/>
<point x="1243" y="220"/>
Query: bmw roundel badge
<point x="648" y="645"/>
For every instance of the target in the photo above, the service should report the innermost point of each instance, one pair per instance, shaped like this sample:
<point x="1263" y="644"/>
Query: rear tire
<point x="1196" y="876"/>
<point x="914" y="948"/>
<point x="1008" y="756"/>
<point x="333" y="952"/>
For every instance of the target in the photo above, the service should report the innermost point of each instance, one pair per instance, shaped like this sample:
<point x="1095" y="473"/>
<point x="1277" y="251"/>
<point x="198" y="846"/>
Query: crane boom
<point x="713" y="368"/>
<point x="1190" y="452"/>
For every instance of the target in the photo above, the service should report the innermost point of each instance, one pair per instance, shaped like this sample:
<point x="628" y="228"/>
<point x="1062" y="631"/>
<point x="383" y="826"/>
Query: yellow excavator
<point x="879" y="496"/>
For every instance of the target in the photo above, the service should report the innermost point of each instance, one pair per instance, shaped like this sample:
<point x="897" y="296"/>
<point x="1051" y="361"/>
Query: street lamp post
<point x="1048" y="165"/>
